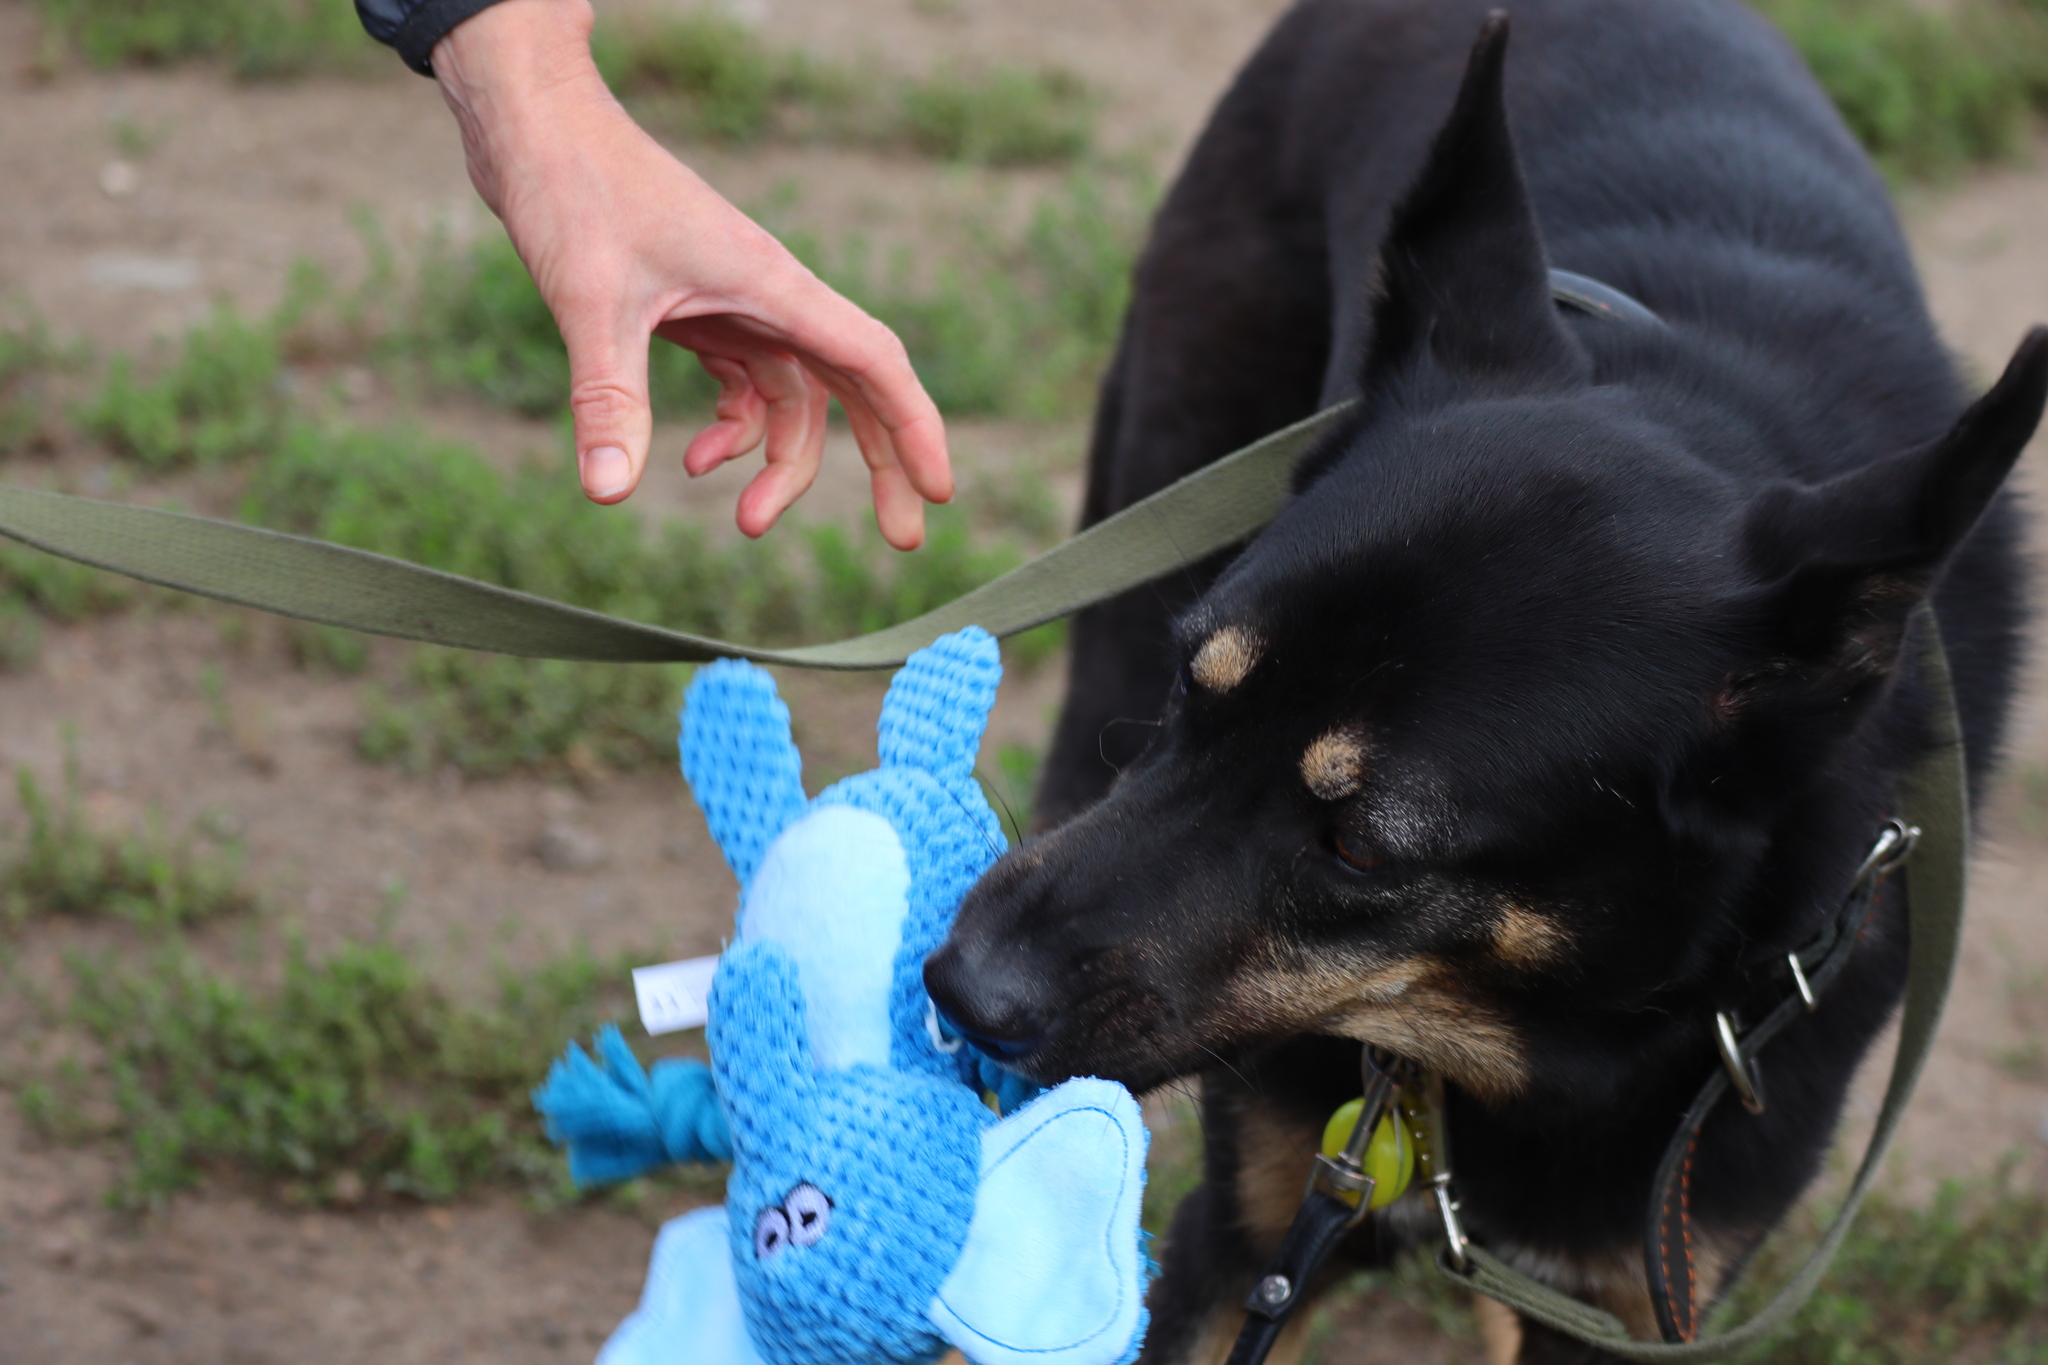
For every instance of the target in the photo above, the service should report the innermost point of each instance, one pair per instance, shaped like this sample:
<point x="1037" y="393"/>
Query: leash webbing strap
<point x="1932" y="795"/>
<point x="313" y="580"/>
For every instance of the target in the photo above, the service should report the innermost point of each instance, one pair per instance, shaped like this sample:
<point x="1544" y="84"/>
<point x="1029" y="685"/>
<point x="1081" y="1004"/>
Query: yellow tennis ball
<point x="1389" y="1157"/>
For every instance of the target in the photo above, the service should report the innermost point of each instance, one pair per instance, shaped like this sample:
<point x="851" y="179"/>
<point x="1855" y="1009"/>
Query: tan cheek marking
<point x="1526" y="939"/>
<point x="1334" y="766"/>
<point x="1414" y="1007"/>
<point x="1225" y="659"/>
<point x="1436" y="1023"/>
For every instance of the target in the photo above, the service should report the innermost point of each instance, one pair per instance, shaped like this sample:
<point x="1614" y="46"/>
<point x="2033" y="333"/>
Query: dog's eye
<point x="1356" y="853"/>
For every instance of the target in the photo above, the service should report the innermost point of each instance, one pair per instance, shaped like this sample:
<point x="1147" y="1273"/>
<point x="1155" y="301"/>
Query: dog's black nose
<point x="991" y="1009"/>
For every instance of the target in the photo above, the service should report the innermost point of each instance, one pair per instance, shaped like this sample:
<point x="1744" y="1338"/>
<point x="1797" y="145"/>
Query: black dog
<point x="1563" y="699"/>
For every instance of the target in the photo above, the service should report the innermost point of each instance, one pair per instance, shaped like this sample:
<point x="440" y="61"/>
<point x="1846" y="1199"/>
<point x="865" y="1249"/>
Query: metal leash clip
<point x="1422" y="1105"/>
<point x="1344" y="1176"/>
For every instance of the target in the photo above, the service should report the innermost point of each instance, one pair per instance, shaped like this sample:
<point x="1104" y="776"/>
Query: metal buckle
<point x="1799" y="980"/>
<point x="1895" y="841"/>
<point x="1744" y="1076"/>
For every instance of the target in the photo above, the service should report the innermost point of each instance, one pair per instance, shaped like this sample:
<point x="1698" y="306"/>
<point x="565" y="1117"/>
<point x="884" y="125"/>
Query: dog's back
<point x="1678" y="150"/>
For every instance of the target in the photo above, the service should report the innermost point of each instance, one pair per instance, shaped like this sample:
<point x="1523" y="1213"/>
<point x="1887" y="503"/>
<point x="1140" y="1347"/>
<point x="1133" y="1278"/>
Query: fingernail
<point x="606" y="471"/>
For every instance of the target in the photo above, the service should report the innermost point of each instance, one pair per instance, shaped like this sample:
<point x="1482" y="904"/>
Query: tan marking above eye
<point x="1334" y="765"/>
<point x="1225" y="659"/>
<point x="1524" y="938"/>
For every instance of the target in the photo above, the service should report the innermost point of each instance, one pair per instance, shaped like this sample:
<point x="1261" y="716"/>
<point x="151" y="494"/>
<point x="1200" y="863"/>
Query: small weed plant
<point x="706" y="75"/>
<point x="62" y="865"/>
<point x="220" y="398"/>
<point x="352" y="1077"/>
<point x="1962" y="1278"/>
<point x="1928" y="89"/>
<point x="28" y="356"/>
<point x="1004" y="116"/>
<point x="257" y="39"/>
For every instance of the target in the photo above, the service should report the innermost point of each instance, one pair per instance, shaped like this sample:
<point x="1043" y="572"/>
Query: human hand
<point x="625" y="242"/>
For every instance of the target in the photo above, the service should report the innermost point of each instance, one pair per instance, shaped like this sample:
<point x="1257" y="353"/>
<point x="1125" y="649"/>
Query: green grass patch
<point x="1963" y="1278"/>
<point x="1003" y="116"/>
<point x="1928" y="90"/>
<point x="28" y="356"/>
<point x="35" y="587"/>
<point x="61" y="864"/>
<point x="706" y="75"/>
<point x="222" y="396"/>
<point x="352" y="1077"/>
<point x="257" y="39"/>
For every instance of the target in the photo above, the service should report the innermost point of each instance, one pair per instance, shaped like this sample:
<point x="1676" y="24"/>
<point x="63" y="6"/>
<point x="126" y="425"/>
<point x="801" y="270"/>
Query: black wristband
<point x="429" y="24"/>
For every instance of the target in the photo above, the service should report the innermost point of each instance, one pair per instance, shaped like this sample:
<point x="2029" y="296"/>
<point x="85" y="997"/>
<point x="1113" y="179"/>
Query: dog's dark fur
<point x="1563" y="698"/>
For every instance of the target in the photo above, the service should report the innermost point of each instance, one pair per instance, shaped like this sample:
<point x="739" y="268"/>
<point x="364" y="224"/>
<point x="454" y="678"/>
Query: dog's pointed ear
<point x="1845" y="561"/>
<point x="1463" y="277"/>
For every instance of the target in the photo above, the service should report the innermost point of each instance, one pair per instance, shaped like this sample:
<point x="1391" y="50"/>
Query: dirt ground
<point x="235" y="182"/>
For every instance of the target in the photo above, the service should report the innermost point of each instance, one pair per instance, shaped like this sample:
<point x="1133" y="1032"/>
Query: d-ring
<point x="1744" y="1076"/>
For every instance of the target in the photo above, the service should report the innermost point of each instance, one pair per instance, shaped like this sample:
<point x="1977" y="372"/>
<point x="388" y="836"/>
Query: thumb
<point x="608" y="400"/>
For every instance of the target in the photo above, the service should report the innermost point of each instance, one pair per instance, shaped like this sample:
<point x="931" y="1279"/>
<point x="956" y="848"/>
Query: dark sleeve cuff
<point x="414" y="26"/>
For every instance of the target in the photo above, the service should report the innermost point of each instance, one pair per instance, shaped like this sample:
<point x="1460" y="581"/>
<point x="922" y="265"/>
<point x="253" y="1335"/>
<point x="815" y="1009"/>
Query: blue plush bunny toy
<point x="878" y="1210"/>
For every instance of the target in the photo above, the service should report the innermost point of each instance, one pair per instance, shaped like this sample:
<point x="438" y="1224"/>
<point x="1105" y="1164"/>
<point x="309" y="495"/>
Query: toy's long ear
<point x="938" y="705"/>
<point x="740" y="762"/>
<point x="1052" y="1273"/>
<point x="689" y="1313"/>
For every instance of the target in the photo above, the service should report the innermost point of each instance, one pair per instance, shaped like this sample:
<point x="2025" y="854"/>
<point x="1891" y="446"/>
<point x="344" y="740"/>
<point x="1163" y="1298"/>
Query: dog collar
<point x="1584" y="294"/>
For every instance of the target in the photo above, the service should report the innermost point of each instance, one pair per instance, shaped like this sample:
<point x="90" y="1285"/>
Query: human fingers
<point x="899" y="508"/>
<point x="607" y="391"/>
<point x="865" y="366"/>
<point x="796" y="407"/>
<point x="742" y="418"/>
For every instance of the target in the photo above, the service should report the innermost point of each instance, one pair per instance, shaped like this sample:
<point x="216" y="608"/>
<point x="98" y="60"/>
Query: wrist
<point x="522" y="44"/>
<point x="519" y="78"/>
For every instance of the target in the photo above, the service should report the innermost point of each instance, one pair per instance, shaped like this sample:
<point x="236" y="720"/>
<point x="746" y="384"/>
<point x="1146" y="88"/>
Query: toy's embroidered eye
<point x="810" y="1211"/>
<point x="771" y="1233"/>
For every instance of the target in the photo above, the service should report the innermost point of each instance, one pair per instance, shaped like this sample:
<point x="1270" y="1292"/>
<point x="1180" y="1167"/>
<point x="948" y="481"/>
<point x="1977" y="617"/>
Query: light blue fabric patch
<point x="851" y="861"/>
<point x="1051" y="1273"/>
<point x="689" y="1313"/>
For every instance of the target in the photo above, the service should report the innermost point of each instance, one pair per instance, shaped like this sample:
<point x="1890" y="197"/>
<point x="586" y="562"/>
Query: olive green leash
<point x="313" y="580"/>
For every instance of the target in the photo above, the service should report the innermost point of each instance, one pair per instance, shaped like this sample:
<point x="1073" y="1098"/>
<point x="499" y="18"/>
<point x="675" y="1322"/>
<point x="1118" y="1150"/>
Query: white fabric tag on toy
<point x="674" y="996"/>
